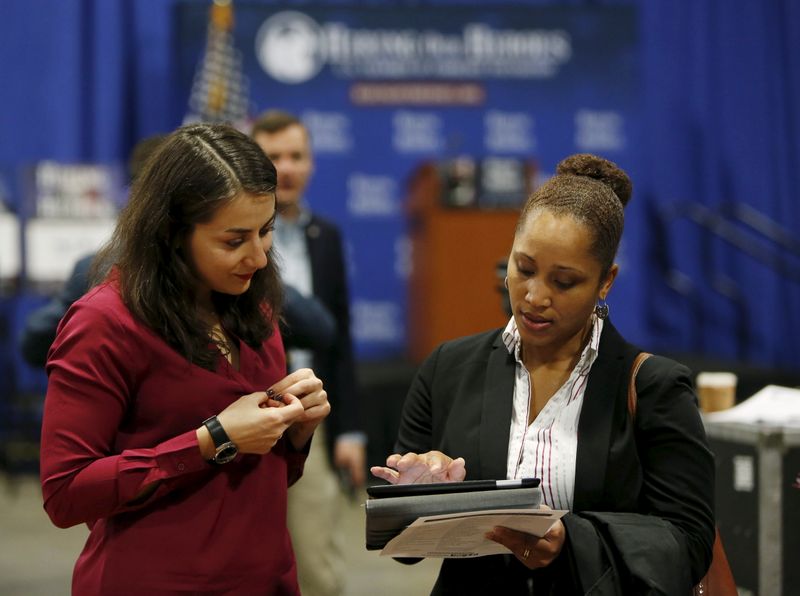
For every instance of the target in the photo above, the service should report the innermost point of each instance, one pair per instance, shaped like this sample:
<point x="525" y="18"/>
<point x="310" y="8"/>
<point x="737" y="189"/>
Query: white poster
<point x="10" y="258"/>
<point x="52" y="246"/>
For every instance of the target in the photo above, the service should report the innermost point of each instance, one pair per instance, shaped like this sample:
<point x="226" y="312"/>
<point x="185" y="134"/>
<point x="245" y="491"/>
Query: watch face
<point x="225" y="453"/>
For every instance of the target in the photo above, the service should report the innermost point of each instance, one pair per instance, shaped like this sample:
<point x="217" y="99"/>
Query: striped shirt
<point x="547" y="448"/>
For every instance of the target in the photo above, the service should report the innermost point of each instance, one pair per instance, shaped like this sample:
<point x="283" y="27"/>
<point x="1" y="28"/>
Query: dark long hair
<point x="194" y="171"/>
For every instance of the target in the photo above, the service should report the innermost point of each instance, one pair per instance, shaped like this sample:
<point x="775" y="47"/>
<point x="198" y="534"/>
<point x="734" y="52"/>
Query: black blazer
<point x="334" y="364"/>
<point x="656" y="468"/>
<point x="40" y="326"/>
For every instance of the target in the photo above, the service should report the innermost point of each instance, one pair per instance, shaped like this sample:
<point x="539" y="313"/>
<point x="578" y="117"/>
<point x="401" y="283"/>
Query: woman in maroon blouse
<point x="170" y="427"/>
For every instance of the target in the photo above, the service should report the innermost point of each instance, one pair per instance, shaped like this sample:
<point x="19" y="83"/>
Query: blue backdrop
<point x="709" y="97"/>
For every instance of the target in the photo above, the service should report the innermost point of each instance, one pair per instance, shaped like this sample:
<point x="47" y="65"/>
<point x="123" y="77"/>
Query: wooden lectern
<point x="453" y="287"/>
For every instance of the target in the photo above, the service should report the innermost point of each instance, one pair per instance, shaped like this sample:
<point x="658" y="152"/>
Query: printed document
<point x="461" y="535"/>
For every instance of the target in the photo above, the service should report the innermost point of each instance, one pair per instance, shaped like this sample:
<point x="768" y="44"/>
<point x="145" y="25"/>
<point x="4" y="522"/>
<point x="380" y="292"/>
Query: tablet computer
<point x="438" y="488"/>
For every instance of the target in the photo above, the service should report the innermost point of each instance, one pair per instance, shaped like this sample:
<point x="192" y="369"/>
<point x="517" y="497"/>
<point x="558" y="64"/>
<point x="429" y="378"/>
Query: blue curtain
<point x="83" y="79"/>
<point x="720" y="130"/>
<point x="721" y="139"/>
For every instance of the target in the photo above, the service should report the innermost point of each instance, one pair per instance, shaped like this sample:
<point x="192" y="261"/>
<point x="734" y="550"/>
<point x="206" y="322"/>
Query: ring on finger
<point x="526" y="553"/>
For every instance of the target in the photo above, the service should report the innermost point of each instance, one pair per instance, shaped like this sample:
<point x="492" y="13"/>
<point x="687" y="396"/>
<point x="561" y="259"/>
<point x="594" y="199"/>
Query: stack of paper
<point x="773" y="405"/>
<point x="462" y="535"/>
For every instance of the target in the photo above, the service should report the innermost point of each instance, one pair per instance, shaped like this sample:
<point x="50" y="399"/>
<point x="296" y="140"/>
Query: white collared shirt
<point x="547" y="448"/>
<point x="295" y="264"/>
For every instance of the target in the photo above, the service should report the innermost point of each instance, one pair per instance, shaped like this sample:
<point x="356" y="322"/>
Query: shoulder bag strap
<point x="633" y="398"/>
<point x="719" y="579"/>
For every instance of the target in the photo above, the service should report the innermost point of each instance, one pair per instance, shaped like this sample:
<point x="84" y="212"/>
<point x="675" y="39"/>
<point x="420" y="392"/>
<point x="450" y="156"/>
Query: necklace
<point x="219" y="337"/>
<point x="221" y="340"/>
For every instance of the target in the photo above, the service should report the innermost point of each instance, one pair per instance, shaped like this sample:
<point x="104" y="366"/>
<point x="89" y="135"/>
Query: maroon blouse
<point x="121" y="412"/>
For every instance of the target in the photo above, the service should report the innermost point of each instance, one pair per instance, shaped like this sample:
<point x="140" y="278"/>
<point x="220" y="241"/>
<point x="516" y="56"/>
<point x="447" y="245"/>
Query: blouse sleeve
<point x="93" y="366"/>
<point x="295" y="460"/>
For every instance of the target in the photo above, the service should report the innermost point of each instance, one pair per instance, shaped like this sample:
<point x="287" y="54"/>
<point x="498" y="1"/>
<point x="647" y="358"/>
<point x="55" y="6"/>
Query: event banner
<point x="384" y="90"/>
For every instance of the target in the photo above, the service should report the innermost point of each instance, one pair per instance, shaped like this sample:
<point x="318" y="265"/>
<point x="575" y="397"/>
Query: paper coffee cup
<point x="716" y="390"/>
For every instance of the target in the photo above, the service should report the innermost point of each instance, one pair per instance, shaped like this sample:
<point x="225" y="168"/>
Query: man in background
<point x="313" y="262"/>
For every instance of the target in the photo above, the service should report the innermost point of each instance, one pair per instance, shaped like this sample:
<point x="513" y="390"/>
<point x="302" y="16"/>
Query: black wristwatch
<point x="225" y="450"/>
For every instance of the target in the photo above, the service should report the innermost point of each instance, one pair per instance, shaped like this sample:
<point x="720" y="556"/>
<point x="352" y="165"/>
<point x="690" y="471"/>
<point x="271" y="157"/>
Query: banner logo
<point x="290" y="48"/>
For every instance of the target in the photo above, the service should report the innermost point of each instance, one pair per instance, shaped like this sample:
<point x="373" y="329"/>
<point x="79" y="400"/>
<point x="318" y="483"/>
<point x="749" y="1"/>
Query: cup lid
<point x="716" y="379"/>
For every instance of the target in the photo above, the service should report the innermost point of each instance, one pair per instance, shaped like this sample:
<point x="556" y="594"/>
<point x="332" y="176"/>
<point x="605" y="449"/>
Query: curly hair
<point x="595" y="192"/>
<point x="193" y="172"/>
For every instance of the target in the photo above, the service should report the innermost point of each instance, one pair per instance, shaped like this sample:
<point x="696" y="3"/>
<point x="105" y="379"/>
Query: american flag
<point x="220" y="91"/>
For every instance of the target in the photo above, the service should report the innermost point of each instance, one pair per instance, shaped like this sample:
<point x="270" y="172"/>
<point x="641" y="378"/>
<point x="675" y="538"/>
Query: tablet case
<point x="388" y="516"/>
<point x="433" y="488"/>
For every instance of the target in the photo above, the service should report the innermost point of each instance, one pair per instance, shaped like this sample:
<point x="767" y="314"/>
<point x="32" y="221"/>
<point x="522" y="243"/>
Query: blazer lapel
<point x="498" y="396"/>
<point x="596" y="420"/>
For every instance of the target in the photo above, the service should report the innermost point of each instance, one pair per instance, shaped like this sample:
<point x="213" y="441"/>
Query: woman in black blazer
<point x="547" y="396"/>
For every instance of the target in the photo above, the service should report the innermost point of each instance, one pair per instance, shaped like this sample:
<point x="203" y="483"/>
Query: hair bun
<point x="602" y="170"/>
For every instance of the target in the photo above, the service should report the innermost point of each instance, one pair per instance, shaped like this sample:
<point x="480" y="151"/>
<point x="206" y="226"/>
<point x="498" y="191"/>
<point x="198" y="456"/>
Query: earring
<point x="505" y="281"/>
<point x="601" y="309"/>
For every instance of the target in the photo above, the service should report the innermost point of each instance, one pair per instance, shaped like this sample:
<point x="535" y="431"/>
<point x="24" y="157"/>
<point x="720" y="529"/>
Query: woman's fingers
<point x="411" y="468"/>
<point x="457" y="470"/>
<point x="255" y="428"/>
<point x="305" y="385"/>
<point x="291" y="408"/>
<point x="531" y="550"/>
<point x="519" y="543"/>
<point x="388" y="474"/>
<point x="300" y="382"/>
<point x="282" y="385"/>
<point x="392" y="460"/>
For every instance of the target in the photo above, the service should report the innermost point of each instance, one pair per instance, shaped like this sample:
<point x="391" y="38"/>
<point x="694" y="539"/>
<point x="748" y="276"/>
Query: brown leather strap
<point x="633" y="398"/>
<point x="719" y="579"/>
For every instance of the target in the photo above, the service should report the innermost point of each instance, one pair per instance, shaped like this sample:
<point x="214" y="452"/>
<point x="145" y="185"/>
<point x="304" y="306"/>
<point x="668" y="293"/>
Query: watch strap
<point x="218" y="434"/>
<point x="224" y="449"/>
